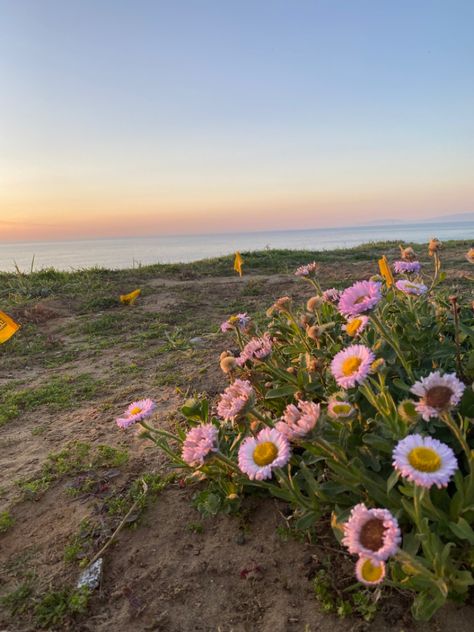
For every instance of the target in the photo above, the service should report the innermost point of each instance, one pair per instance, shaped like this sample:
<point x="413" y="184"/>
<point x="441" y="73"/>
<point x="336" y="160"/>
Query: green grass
<point x="76" y="457"/>
<point x="58" y="393"/>
<point x="57" y="606"/>
<point x="6" y="521"/>
<point x="97" y="289"/>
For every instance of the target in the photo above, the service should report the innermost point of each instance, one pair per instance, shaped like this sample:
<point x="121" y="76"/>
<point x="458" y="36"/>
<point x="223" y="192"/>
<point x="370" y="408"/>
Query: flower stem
<point x="394" y="344"/>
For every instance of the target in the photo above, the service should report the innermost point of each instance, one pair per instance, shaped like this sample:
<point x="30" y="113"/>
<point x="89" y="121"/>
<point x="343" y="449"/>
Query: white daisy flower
<point x="424" y="461"/>
<point x="438" y="393"/>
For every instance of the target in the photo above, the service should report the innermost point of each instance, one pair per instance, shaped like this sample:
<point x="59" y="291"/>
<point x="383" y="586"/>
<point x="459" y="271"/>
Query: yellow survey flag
<point x="129" y="299"/>
<point x="385" y="271"/>
<point x="238" y="261"/>
<point x="7" y="327"/>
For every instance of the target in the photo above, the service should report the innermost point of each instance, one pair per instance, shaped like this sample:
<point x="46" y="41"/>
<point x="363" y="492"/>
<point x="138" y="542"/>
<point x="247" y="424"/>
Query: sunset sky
<point x="128" y="117"/>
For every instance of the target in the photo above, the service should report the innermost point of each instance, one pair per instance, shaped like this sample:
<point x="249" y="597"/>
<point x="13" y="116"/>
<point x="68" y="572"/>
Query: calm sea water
<point x="127" y="252"/>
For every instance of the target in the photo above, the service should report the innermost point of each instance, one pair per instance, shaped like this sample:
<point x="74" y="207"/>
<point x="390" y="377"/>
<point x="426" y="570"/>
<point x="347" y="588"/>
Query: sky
<point x="135" y="117"/>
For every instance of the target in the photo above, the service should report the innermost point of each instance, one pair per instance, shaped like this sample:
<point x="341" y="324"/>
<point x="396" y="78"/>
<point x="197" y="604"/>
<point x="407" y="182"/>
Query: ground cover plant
<point x="69" y="478"/>
<point x="358" y="405"/>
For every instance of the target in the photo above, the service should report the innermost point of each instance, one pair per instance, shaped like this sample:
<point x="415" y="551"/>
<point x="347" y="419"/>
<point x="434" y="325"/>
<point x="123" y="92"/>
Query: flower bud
<point x="434" y="246"/>
<point x="228" y="364"/>
<point x="291" y="369"/>
<point x="314" y="303"/>
<point x="377" y="365"/>
<point x="407" y="254"/>
<point x="314" y="332"/>
<point x="407" y="411"/>
<point x="311" y="363"/>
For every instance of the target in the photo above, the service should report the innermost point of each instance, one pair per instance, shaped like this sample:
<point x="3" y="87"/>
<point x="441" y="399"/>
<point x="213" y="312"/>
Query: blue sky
<point x="121" y="117"/>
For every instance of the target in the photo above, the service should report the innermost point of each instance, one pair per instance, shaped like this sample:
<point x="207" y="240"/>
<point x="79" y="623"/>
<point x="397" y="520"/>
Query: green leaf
<point x="466" y="407"/>
<point x="401" y="385"/>
<point x="307" y="521"/>
<point x="377" y="442"/>
<point x="462" y="530"/>
<point x="392" y="480"/>
<point x="282" y="391"/>
<point x="426" y="604"/>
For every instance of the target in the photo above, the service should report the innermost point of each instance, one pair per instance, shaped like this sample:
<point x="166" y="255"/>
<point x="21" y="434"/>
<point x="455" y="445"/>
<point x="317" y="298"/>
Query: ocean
<point x="135" y="251"/>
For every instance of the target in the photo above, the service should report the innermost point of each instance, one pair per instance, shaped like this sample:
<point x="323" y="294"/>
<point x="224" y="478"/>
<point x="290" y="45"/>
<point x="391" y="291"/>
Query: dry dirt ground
<point x="65" y="377"/>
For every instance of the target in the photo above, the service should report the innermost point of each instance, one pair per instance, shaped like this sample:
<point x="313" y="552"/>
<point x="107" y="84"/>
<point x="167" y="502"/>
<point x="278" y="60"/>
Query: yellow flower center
<point x="424" y="459"/>
<point x="351" y="365"/>
<point x="135" y="410"/>
<point x="370" y="572"/>
<point x="353" y="327"/>
<point x="265" y="453"/>
<point x="341" y="409"/>
<point x="361" y="299"/>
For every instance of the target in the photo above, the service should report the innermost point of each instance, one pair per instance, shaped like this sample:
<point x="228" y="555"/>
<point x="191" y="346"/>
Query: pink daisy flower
<point x="410" y="287"/>
<point x="438" y="393"/>
<point x="352" y="365"/>
<point x="256" y="349"/>
<point x="424" y="461"/>
<point x="332" y="295"/>
<point x="137" y="411"/>
<point x="236" y="400"/>
<point x="369" y="572"/>
<point x="199" y="442"/>
<point x="360" y="297"/>
<point x="298" y="420"/>
<point x="355" y="326"/>
<point x="306" y="270"/>
<point x="404" y="267"/>
<point x="259" y="455"/>
<point x="372" y="533"/>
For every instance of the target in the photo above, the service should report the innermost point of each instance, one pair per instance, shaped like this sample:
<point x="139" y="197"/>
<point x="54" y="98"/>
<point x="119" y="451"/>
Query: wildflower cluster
<point x="358" y="406"/>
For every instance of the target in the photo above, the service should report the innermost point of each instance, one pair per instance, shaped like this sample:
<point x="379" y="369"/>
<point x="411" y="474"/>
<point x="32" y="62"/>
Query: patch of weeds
<point x="253" y="287"/>
<point x="6" y="521"/>
<point x="153" y="330"/>
<point x="120" y="504"/>
<point x="361" y="602"/>
<point x="39" y="430"/>
<point x="175" y="340"/>
<point x="195" y="527"/>
<point x="57" y="606"/>
<point x="34" y="488"/>
<point x="105" y="325"/>
<point x="74" y="458"/>
<point x="99" y="303"/>
<point x="72" y="550"/>
<point x="287" y="532"/>
<point x="59" y="393"/>
<point x="61" y="357"/>
<point x="216" y="499"/>
<point x="18" y="601"/>
<point x="129" y="369"/>
<point x="81" y="545"/>
<point x="107" y="456"/>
